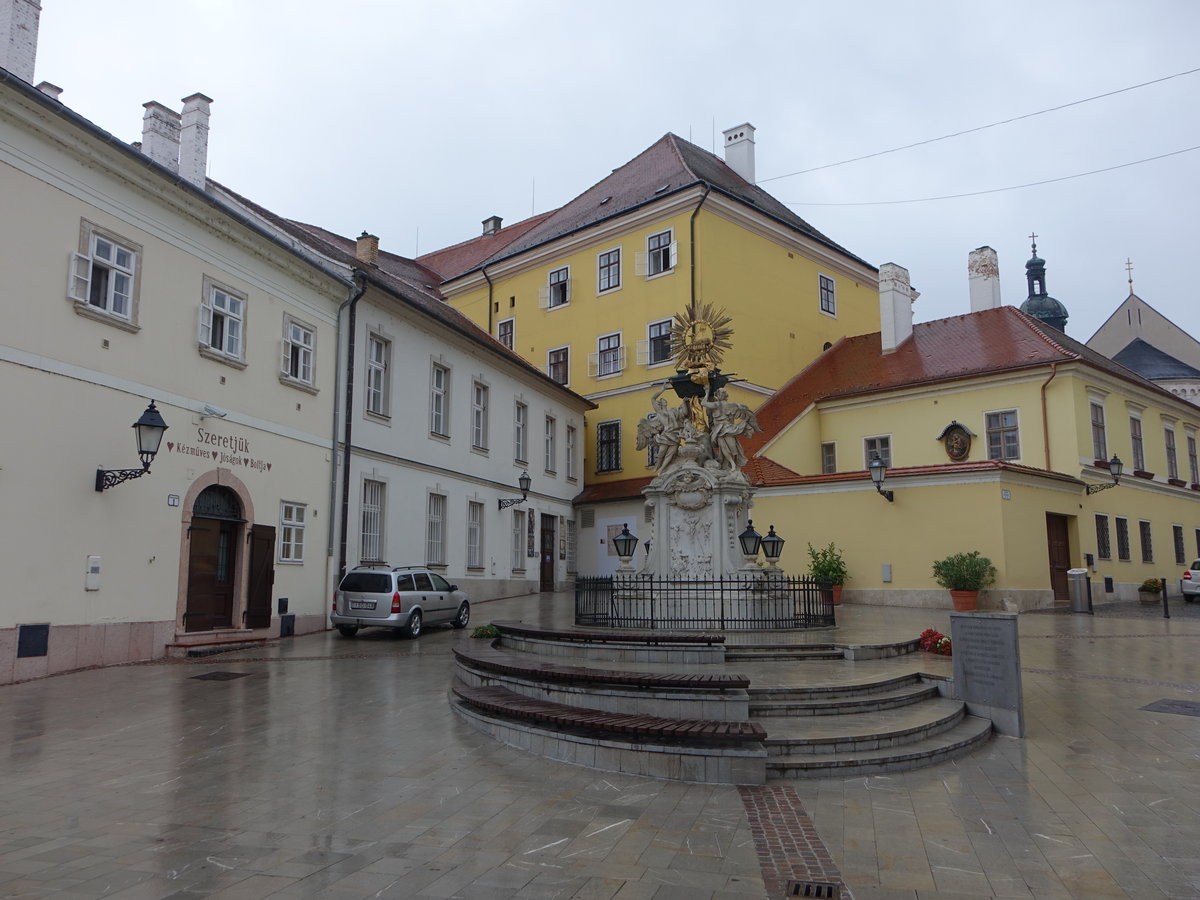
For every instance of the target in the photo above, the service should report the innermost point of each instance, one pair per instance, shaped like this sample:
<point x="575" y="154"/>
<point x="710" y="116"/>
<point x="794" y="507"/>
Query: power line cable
<point x="1015" y="187"/>
<point x="945" y="137"/>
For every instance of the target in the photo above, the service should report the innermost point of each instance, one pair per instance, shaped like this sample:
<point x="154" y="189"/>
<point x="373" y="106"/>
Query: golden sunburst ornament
<point x="700" y="336"/>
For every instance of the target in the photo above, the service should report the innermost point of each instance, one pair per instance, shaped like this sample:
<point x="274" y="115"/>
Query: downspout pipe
<point x="488" y="279"/>
<point x="1045" y="414"/>
<point x="692" y="236"/>
<point x="351" y="302"/>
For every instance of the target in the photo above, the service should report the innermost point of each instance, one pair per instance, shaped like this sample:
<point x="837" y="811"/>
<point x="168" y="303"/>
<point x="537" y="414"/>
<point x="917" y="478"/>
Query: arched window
<point x="218" y="502"/>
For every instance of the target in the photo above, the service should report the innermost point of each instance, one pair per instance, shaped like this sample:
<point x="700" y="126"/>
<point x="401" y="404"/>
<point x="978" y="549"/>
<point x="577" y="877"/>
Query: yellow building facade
<point x="589" y="293"/>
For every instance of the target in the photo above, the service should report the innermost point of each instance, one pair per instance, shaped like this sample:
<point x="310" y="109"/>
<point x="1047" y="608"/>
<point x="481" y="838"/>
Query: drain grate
<point x="220" y="676"/>
<point x="829" y="890"/>
<point x="1177" y="707"/>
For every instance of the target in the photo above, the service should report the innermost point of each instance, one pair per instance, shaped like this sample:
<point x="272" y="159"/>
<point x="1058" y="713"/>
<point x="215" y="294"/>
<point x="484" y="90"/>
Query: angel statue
<point x="730" y="420"/>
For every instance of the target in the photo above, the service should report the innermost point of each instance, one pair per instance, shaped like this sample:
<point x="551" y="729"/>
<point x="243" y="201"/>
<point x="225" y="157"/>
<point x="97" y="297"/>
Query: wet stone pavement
<point x="326" y="767"/>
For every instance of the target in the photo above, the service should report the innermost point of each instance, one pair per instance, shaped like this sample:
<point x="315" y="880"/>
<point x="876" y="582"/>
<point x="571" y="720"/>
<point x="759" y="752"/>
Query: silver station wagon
<point x="406" y="597"/>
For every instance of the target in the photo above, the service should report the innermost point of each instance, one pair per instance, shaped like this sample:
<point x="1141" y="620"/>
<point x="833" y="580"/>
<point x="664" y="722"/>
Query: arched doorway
<point x="214" y="538"/>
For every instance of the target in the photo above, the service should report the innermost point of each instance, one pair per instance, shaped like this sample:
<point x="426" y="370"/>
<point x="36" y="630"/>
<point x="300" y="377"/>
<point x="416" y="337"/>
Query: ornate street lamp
<point x="772" y="547"/>
<point x="149" y="433"/>
<point x="1115" y="469"/>
<point x="750" y="540"/>
<point x="523" y="483"/>
<point x="878" y="473"/>
<point x="626" y="545"/>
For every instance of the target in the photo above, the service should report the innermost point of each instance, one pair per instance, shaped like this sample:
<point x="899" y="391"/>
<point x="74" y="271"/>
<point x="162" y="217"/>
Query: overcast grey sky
<point x="416" y="120"/>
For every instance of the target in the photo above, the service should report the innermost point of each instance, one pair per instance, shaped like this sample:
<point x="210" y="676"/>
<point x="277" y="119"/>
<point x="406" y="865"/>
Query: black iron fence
<point x="735" y="603"/>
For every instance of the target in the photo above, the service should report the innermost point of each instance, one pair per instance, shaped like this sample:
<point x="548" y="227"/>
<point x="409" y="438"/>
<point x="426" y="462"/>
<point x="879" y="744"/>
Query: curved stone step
<point x="963" y="738"/>
<point x="868" y="731"/>
<point x="865" y="701"/>
<point x="824" y="692"/>
<point x="792" y="652"/>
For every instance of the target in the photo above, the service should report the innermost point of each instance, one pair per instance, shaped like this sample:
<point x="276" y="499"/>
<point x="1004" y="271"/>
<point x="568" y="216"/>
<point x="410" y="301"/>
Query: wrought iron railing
<point x="735" y="603"/>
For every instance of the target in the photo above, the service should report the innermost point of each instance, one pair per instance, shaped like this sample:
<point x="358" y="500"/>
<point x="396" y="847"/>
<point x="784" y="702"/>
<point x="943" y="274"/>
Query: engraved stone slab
<point x="987" y="668"/>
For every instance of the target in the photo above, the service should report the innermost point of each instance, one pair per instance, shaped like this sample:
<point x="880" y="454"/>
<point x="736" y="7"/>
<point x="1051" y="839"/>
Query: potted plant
<point x="964" y="575"/>
<point x="827" y="564"/>
<point x="1149" y="590"/>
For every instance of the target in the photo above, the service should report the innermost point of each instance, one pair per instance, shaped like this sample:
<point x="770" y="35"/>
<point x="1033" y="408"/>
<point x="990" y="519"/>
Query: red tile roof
<point x="975" y="344"/>
<point x="612" y="490"/>
<point x="452" y="261"/>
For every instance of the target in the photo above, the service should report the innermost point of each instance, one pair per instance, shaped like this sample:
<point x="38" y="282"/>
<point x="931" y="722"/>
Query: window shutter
<point x="205" y="325"/>
<point x="593" y="364"/>
<point x="286" y="359"/>
<point x="643" y="353"/>
<point x="568" y="290"/>
<point x="587" y="518"/>
<point x="674" y="254"/>
<point x="79" y="284"/>
<point x="621" y="358"/>
<point x="544" y="297"/>
<point x="641" y="263"/>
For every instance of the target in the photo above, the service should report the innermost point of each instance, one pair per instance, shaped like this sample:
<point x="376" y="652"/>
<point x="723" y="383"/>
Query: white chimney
<point x="18" y="36"/>
<point x="983" y="279"/>
<point x="193" y="140"/>
<point x="491" y="225"/>
<point x="896" y="298"/>
<point x="160" y="135"/>
<point x="739" y="150"/>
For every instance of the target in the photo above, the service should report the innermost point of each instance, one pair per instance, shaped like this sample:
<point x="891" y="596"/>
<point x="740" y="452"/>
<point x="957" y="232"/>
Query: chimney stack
<point x="983" y="279"/>
<point x="739" y="150"/>
<point x="193" y="140"/>
<point x="896" y="298"/>
<point x="366" y="249"/>
<point x="160" y="135"/>
<point x="18" y="36"/>
<point x="50" y="90"/>
<point x="491" y="225"/>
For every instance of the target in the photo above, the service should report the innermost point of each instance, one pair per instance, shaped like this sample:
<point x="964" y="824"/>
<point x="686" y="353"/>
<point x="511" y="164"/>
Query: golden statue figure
<point x="699" y="337"/>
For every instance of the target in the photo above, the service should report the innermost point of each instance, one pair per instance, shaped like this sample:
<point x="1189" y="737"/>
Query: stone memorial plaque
<point x="987" y="668"/>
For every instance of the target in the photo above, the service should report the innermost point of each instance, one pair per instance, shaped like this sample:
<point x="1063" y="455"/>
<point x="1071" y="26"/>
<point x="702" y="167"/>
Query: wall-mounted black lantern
<point x="149" y="431"/>
<point x="523" y="482"/>
<point x="626" y="545"/>
<point x="1115" y="469"/>
<point x="878" y="473"/>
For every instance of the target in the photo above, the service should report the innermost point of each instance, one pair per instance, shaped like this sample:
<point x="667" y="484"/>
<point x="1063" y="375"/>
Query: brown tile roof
<point x="669" y="165"/>
<point x="975" y="344"/>
<point x="612" y="490"/>
<point x="452" y="261"/>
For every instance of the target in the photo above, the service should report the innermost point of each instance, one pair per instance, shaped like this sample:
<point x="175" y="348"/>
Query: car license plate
<point x="362" y="604"/>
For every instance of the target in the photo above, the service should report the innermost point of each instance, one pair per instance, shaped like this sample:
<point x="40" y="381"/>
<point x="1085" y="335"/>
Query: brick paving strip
<point x="789" y="848"/>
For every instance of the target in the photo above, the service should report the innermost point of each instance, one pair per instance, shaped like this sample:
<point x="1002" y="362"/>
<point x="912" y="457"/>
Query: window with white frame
<point x="608" y="270"/>
<point x="829" y="458"/>
<point x="1172" y="459"/>
<point x="1122" y="539"/>
<point x="104" y="274"/>
<point x="661" y="253"/>
<point x="557" y="364"/>
<point x="571" y="451"/>
<point x="557" y="290"/>
<point x="828" y="293"/>
<point x="505" y="332"/>
<point x="222" y="322"/>
<point x="479" y="416"/>
<point x="291" y="531"/>
<point x="1003" y="436"/>
<point x="1147" y="544"/>
<point x="551" y="444"/>
<point x="371" y="535"/>
<point x="435" y="531"/>
<point x="439" y="400"/>
<point x="517" y="541"/>
<point x="299" y="346"/>
<point x="379" y="353"/>
<point x="608" y="446"/>
<point x="610" y="355"/>
<point x="520" y="432"/>
<point x="474" y="535"/>
<point x="881" y="446"/>
<point x="1103" y="541"/>
<point x="1135" y="439"/>
<point x="1099" y="437"/>
<point x="658" y="343"/>
<point x="1193" y="459"/>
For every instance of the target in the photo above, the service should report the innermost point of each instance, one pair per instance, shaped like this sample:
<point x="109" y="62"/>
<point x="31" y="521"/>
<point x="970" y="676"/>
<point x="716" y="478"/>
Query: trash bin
<point x="1079" y="590"/>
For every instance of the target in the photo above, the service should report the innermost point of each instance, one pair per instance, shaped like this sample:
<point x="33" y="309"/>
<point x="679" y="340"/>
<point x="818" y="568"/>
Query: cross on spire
<point x="1033" y="239"/>
<point x="1129" y="269"/>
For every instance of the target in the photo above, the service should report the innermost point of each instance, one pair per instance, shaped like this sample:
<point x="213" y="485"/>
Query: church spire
<point x="1039" y="303"/>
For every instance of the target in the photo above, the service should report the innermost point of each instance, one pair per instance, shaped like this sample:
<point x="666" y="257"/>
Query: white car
<point x="1191" y="582"/>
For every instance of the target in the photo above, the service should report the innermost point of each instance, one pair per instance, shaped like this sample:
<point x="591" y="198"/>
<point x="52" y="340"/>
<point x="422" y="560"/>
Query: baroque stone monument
<point x="699" y="500"/>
